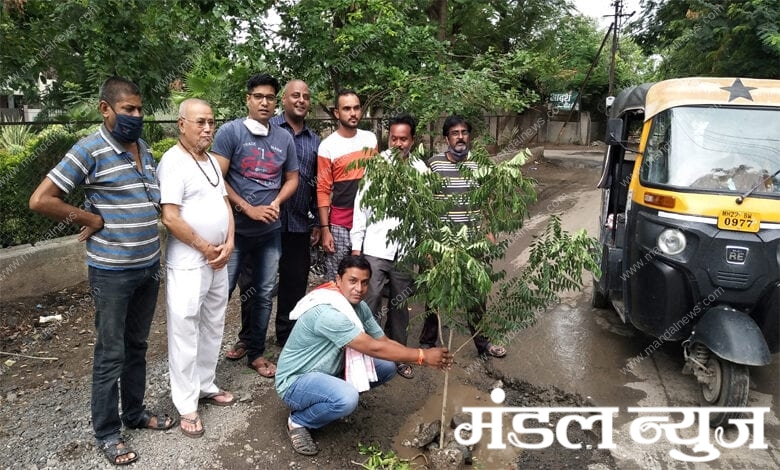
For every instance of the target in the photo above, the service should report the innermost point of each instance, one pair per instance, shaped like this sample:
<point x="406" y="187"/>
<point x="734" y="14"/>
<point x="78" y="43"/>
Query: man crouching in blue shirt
<point x="337" y="350"/>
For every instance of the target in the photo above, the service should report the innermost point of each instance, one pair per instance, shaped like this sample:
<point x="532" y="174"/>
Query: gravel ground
<point x="49" y="426"/>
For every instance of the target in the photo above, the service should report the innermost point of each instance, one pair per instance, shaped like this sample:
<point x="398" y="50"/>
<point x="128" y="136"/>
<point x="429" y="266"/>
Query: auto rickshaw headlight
<point x="672" y="241"/>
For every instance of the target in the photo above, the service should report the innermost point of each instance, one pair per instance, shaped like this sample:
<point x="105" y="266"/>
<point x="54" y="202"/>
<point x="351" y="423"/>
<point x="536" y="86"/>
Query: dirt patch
<point x="40" y="359"/>
<point x="36" y="354"/>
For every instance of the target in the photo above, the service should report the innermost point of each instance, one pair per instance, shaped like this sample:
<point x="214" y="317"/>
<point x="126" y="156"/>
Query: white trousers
<point x="197" y="300"/>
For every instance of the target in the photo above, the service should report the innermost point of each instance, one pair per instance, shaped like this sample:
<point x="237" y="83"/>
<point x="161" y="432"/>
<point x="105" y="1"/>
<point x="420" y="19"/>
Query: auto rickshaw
<point x="690" y="225"/>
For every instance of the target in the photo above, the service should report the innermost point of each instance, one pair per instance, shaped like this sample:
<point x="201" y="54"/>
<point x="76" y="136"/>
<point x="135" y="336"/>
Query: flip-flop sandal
<point x="193" y="421"/>
<point x="495" y="351"/>
<point x="113" y="452"/>
<point x="238" y="351"/>
<point x="405" y="371"/>
<point x="212" y="399"/>
<point x="266" y="369"/>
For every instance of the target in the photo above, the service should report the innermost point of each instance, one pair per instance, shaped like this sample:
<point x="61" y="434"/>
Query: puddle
<point x="459" y="395"/>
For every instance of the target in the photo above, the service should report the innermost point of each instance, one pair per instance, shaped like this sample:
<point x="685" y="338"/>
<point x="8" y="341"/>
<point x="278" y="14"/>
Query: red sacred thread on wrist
<point x="420" y="357"/>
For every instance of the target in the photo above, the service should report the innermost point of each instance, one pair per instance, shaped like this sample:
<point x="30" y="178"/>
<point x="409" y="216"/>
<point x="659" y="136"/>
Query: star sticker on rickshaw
<point x="738" y="90"/>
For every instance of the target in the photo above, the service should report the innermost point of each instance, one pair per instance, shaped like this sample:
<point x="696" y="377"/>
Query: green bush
<point x="14" y="137"/>
<point x="23" y="170"/>
<point x="162" y="146"/>
<point x="20" y="174"/>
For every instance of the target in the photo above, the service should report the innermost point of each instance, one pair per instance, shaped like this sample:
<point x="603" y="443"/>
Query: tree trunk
<point x="438" y="12"/>
<point x="444" y="395"/>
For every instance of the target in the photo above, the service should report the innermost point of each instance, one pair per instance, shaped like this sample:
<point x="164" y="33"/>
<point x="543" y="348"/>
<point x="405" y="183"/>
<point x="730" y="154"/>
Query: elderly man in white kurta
<point x="196" y="211"/>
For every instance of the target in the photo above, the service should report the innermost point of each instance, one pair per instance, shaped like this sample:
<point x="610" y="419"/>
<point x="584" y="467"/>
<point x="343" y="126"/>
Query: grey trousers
<point x="401" y="288"/>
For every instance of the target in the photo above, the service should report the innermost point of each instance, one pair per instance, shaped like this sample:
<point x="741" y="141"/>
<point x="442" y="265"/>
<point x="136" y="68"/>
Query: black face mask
<point x="127" y="128"/>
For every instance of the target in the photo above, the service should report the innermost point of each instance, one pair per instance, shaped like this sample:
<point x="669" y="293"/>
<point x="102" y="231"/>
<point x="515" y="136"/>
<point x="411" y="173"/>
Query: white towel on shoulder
<point x="359" y="368"/>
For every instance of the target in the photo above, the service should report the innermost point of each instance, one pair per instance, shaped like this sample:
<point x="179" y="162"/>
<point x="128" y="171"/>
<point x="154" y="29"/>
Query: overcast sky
<point x="599" y="8"/>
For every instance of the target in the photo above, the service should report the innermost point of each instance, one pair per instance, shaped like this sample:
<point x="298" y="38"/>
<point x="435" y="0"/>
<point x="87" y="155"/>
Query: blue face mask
<point x="127" y="128"/>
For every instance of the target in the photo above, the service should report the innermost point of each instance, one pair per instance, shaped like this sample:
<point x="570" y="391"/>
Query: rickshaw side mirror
<point x="614" y="131"/>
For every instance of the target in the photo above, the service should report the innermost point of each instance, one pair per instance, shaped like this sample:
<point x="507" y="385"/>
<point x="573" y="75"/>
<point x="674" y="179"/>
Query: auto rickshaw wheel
<point x="597" y="298"/>
<point x="728" y="386"/>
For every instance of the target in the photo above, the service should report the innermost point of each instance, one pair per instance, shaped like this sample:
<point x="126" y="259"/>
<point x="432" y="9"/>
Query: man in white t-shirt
<point x="196" y="211"/>
<point x="338" y="178"/>
<point x="370" y="238"/>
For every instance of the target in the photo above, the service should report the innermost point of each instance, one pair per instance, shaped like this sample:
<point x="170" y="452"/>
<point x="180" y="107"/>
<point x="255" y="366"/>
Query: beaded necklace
<point x="216" y="172"/>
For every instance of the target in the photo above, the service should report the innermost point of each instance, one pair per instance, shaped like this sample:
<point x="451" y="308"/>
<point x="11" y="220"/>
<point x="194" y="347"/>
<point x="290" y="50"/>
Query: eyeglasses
<point x="261" y="97"/>
<point x="457" y="133"/>
<point x="201" y="123"/>
<point x="150" y="197"/>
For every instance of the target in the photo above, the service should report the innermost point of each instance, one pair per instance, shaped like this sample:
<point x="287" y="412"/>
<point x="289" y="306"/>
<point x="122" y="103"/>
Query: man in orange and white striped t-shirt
<point x="336" y="185"/>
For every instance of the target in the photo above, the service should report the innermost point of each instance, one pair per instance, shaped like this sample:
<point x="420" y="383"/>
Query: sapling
<point x="456" y="261"/>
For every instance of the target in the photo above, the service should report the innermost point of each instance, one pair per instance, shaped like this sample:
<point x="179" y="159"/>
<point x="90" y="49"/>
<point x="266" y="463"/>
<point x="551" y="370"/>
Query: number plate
<point x="740" y="221"/>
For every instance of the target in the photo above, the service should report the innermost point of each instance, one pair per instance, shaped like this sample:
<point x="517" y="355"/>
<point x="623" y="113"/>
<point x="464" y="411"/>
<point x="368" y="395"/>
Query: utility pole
<point x="618" y="4"/>
<point x="616" y="22"/>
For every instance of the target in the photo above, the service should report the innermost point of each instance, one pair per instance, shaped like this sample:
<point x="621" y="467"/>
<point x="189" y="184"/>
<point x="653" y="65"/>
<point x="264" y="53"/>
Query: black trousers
<point x="294" y="267"/>
<point x="293" y="280"/>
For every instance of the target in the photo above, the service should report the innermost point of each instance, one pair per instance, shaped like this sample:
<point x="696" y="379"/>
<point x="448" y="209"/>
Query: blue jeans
<point x="263" y="252"/>
<point x="124" y="307"/>
<point x="317" y="399"/>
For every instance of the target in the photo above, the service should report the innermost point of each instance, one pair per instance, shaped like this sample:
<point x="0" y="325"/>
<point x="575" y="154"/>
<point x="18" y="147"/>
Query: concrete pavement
<point x="573" y="157"/>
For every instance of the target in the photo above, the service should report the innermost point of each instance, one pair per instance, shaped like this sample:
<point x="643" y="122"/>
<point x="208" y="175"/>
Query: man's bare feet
<point x="221" y="398"/>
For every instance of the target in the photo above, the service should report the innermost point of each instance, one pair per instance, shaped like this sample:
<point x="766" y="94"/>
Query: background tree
<point x="82" y="42"/>
<point x="435" y="57"/>
<point x="565" y="53"/>
<point x="426" y="56"/>
<point x="716" y="38"/>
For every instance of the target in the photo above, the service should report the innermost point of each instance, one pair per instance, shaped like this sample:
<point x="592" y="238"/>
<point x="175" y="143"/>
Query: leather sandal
<point x="263" y="366"/>
<point x="405" y="370"/>
<point x="495" y="351"/>
<point x="211" y="398"/>
<point x="238" y="351"/>
<point x="114" y="452"/>
<point x="163" y="422"/>
<point x="302" y="441"/>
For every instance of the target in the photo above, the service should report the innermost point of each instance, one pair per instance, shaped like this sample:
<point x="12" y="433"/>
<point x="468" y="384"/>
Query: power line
<point x="616" y="22"/>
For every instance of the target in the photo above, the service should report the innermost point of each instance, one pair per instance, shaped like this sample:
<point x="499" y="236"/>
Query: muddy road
<point x="593" y="354"/>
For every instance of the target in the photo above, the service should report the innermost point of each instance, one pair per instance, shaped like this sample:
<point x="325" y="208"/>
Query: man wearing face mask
<point x="260" y="167"/>
<point x="457" y="133"/>
<point x="119" y="224"/>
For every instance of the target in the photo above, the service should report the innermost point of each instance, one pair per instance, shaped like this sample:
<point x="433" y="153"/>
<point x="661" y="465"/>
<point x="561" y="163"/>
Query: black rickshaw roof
<point x="630" y="99"/>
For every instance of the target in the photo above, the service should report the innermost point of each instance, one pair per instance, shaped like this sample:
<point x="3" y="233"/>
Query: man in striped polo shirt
<point x="337" y="182"/>
<point x="457" y="133"/>
<point x="119" y="223"/>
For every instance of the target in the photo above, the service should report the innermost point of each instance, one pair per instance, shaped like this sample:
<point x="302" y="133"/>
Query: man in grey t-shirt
<point x="261" y="171"/>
